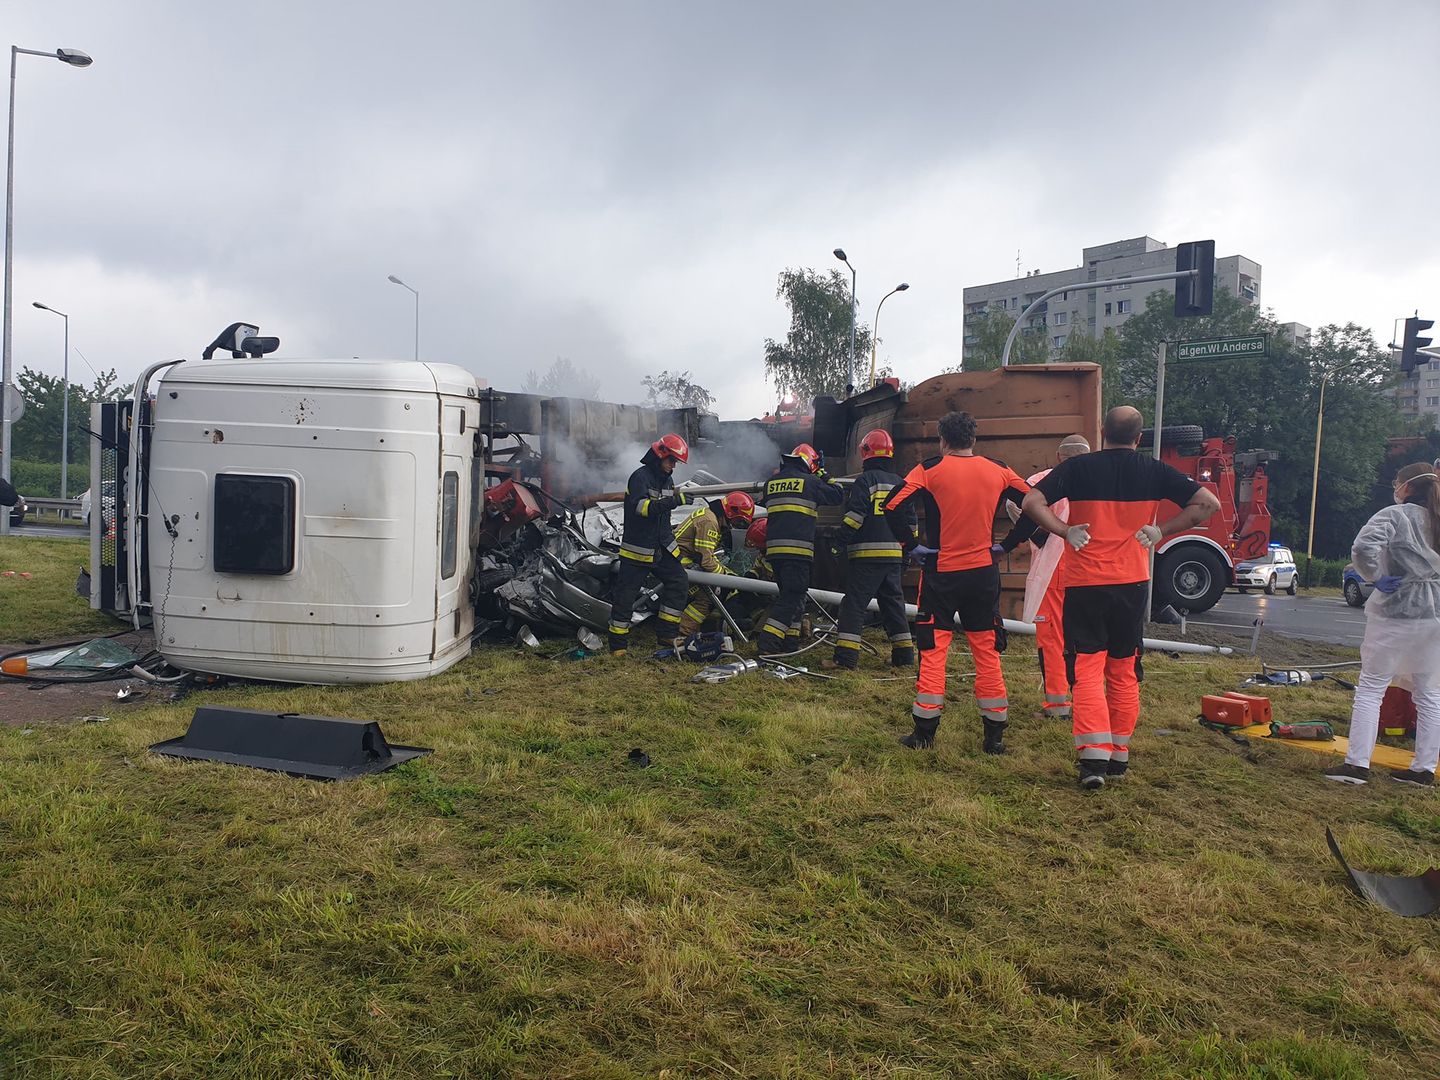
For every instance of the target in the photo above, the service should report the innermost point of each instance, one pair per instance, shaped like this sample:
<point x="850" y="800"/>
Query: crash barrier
<point x="65" y="508"/>
<point x="1014" y="626"/>
<point x="319" y="747"/>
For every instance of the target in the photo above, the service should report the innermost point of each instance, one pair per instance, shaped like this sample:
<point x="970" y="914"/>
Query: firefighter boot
<point x="923" y="737"/>
<point x="902" y="656"/>
<point x="1093" y="774"/>
<point x="994" y="737"/>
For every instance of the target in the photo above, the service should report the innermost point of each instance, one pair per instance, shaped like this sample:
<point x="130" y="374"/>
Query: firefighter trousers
<point x="781" y="632"/>
<point x="629" y="578"/>
<point x="698" y="606"/>
<point x="1104" y="631"/>
<point x="1050" y="644"/>
<point x="973" y="595"/>
<point x="869" y="579"/>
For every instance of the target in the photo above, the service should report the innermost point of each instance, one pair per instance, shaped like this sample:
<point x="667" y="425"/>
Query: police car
<point x="1274" y="571"/>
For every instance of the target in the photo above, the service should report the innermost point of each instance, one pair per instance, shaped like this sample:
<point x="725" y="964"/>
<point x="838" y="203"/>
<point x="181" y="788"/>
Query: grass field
<point x="784" y="893"/>
<point x="44" y="606"/>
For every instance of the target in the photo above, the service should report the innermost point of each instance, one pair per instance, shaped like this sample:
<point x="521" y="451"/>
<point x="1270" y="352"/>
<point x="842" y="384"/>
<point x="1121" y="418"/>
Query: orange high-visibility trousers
<point x="972" y="595"/>
<point x="1050" y="644"/>
<point x="1107" y="705"/>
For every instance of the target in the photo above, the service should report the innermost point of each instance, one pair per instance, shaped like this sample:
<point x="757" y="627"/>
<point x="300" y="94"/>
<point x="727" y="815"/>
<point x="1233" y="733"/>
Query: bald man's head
<point x="1072" y="446"/>
<point x="1122" y="426"/>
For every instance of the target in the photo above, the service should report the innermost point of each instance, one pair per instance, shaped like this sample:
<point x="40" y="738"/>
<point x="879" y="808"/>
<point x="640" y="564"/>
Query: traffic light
<point x="1409" y="356"/>
<point x="1195" y="295"/>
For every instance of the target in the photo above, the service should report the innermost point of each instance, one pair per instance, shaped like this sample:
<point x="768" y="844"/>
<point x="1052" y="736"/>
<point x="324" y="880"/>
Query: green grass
<point x="44" y="606"/>
<point x="784" y="893"/>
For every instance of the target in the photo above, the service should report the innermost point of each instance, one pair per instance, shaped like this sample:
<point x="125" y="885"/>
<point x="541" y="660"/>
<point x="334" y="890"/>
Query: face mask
<point x="1402" y="488"/>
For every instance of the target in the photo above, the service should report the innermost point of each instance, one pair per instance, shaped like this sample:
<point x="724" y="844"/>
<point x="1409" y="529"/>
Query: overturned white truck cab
<point x="306" y="521"/>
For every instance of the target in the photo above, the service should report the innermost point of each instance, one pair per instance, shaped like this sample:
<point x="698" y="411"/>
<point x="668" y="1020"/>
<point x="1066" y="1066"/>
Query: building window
<point x="1432" y="401"/>
<point x="1058" y="341"/>
<point x="1122" y="307"/>
<point x="254" y="524"/>
<point x="1107" y="309"/>
<point x="1062" y="317"/>
<point x="1430" y="384"/>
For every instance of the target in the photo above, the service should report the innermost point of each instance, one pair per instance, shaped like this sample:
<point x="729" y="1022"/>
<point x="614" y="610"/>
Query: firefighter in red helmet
<point x="874" y="558"/>
<point x="792" y="498"/>
<point x="648" y="546"/>
<point x="701" y="536"/>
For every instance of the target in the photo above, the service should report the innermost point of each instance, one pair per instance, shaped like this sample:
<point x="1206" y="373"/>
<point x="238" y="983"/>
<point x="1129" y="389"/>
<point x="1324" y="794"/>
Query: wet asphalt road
<point x="1311" y="618"/>
<point x="58" y="531"/>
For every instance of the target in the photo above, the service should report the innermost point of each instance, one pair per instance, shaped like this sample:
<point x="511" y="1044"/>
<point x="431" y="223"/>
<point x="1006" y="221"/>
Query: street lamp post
<point x="850" y="374"/>
<point x="875" y="327"/>
<point x="397" y="281"/>
<point x="75" y="58"/>
<point x="1315" y="475"/>
<point x="65" y="406"/>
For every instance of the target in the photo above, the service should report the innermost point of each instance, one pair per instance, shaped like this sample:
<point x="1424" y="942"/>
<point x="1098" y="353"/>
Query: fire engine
<point x="1194" y="568"/>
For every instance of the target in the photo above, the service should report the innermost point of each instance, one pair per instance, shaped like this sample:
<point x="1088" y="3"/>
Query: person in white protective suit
<point x="1399" y="550"/>
<point x="1045" y="593"/>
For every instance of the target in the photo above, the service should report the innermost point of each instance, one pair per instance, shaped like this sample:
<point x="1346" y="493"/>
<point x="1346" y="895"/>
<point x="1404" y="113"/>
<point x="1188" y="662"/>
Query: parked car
<point x="107" y="502"/>
<point x="1357" y="590"/>
<point x="1275" y="570"/>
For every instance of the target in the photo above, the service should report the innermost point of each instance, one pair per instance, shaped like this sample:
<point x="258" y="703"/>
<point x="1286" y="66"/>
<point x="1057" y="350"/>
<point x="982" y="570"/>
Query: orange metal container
<point x="1219" y="709"/>
<point x="1259" y="706"/>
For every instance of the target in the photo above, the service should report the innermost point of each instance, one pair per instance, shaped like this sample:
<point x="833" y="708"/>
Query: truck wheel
<point x="1270" y="586"/>
<point x="1190" y="578"/>
<point x="1176" y="435"/>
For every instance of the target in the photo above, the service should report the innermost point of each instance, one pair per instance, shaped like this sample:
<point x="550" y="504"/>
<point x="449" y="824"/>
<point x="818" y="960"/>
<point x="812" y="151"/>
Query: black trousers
<point x="866" y="580"/>
<point x="629" y="577"/>
<point x="793" y="577"/>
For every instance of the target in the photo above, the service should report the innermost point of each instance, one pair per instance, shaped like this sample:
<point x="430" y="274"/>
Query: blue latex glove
<point x="1388" y="583"/>
<point x="997" y="552"/>
<point x="920" y="552"/>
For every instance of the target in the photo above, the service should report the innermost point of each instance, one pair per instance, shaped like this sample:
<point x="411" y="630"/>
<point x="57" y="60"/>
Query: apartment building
<point x="1093" y="311"/>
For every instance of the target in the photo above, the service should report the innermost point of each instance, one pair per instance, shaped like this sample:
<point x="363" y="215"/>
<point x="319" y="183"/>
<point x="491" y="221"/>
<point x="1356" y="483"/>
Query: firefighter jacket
<point x="699" y="536"/>
<point x="865" y="529"/>
<point x="792" y="497"/>
<point x="649" y="498"/>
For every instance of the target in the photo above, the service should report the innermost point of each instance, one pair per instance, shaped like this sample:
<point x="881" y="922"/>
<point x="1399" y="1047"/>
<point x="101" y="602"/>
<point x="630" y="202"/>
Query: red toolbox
<point x="1229" y="711"/>
<point x="1259" y="706"/>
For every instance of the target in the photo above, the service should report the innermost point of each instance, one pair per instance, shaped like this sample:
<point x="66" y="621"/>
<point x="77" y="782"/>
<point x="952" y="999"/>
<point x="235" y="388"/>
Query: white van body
<point x="310" y="520"/>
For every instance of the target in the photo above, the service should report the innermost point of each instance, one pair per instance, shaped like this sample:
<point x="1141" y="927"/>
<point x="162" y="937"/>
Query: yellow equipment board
<point x="1392" y="757"/>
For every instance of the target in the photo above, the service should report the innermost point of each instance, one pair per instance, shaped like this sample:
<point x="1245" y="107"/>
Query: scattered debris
<point x="95" y="719"/>
<point x="639" y="758"/>
<point x="1409" y="897"/>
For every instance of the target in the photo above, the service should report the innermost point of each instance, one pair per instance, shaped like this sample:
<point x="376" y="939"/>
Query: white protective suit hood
<point x="1396" y="541"/>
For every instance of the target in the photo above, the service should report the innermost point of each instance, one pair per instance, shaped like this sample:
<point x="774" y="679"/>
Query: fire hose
<point x="769" y="588"/>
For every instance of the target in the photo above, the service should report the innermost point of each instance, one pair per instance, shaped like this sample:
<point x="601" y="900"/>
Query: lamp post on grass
<point x="875" y="329"/>
<point x="402" y="284"/>
<point x="65" y="406"/>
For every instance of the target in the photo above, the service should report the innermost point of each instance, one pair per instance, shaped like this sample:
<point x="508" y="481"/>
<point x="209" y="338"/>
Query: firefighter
<point x="648" y="544"/>
<point x="1114" y="498"/>
<point x="961" y="493"/>
<point x="792" y="497"/>
<point x="874" y="558"/>
<point x="1045" y="593"/>
<point x="700" y="536"/>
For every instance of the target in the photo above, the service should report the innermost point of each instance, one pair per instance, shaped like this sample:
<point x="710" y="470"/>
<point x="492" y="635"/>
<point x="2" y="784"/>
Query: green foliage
<point x="562" y="379"/>
<point x="1031" y="346"/>
<point x="815" y="356"/>
<point x="36" y="435"/>
<point x="676" y="391"/>
<point x="1272" y="403"/>
<point x="41" y="479"/>
<point x="1326" y="572"/>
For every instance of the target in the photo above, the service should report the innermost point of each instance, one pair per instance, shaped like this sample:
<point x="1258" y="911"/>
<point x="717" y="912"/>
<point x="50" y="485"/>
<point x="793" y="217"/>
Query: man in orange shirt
<point x="960" y="493"/>
<point x="1115" y="496"/>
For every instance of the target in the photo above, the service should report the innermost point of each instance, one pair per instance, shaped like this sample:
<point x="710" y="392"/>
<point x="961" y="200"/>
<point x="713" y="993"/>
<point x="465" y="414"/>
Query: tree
<point x="36" y="435"/>
<point x="677" y="391"/>
<point x="563" y="379"/>
<point x="1031" y="346"/>
<point x="815" y="356"/>
<point x="1271" y="402"/>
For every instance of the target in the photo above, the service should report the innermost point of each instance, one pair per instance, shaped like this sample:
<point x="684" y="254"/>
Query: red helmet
<point x="877" y="444"/>
<point x="739" y="507"/>
<point x="808" y="454"/>
<point x="671" y="446"/>
<point x="756" y="534"/>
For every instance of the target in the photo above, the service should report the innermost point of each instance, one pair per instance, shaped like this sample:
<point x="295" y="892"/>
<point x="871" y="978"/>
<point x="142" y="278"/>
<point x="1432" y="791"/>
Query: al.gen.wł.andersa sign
<point x="1238" y="348"/>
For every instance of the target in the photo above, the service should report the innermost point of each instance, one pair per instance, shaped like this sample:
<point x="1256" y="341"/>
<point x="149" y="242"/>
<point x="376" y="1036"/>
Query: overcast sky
<point x="621" y="183"/>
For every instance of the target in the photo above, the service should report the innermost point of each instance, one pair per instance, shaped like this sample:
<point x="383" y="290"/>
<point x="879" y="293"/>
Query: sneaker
<point x="1345" y="773"/>
<point x="1413" y="776"/>
<point x="1116" y="769"/>
<point x="1092" y="774"/>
